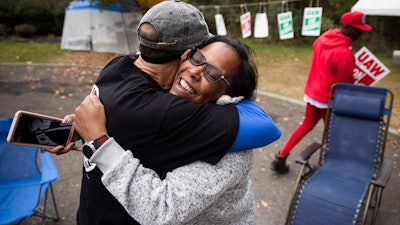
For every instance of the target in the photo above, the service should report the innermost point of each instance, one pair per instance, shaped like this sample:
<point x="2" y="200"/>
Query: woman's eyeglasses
<point x="211" y="72"/>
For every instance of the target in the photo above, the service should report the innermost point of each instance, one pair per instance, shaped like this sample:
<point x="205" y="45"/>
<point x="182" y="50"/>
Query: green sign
<point x="312" y="21"/>
<point x="285" y="24"/>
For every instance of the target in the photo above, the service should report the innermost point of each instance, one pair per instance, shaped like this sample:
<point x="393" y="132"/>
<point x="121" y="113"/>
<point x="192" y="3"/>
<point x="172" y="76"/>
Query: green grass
<point x="25" y="51"/>
<point x="282" y="69"/>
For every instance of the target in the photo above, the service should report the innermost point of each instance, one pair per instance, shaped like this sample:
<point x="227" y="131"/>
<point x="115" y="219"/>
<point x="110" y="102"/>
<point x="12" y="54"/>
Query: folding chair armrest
<point x="305" y="155"/>
<point x="384" y="173"/>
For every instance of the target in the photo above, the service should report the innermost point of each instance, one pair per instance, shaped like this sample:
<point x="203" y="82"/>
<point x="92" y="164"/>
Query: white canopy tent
<point x="378" y="7"/>
<point x="89" y="27"/>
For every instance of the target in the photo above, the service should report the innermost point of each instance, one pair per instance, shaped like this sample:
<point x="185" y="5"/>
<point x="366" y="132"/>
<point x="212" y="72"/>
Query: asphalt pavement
<point x="57" y="89"/>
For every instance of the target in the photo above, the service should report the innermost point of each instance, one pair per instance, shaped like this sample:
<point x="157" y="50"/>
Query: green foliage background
<point x="384" y="38"/>
<point x="48" y="17"/>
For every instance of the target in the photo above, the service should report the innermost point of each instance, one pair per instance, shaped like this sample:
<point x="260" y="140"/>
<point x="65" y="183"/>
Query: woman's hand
<point x="90" y="119"/>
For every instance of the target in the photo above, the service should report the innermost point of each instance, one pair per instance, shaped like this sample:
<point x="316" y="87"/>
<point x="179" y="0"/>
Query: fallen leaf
<point x="264" y="204"/>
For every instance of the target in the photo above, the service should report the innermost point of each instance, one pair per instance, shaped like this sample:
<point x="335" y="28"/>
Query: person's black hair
<point x="244" y="81"/>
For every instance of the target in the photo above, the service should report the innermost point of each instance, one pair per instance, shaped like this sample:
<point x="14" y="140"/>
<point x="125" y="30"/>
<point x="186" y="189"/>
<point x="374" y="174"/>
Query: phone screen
<point x="40" y="131"/>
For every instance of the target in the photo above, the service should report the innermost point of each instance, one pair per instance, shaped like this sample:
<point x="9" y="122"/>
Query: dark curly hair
<point x="245" y="79"/>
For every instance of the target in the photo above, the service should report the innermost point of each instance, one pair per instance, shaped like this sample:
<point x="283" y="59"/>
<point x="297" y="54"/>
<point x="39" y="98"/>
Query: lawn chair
<point x="346" y="184"/>
<point x="26" y="174"/>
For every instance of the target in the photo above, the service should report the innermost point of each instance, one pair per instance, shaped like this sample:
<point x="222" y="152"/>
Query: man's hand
<point x="90" y="119"/>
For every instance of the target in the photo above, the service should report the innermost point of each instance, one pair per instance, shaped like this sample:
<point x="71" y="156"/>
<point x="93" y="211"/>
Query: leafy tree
<point x="144" y="5"/>
<point x="46" y="16"/>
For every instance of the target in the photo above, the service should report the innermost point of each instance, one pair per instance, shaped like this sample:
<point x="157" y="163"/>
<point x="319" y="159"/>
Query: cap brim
<point x="364" y="27"/>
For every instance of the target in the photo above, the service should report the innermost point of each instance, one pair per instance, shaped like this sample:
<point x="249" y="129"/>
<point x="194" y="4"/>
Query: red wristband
<point x="100" y="141"/>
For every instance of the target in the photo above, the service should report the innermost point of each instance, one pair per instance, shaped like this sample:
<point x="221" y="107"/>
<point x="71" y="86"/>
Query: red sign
<point x="245" y="22"/>
<point x="368" y="69"/>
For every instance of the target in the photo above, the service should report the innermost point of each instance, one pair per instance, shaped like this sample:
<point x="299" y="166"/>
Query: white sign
<point x="220" y="24"/>
<point x="369" y="69"/>
<point x="285" y="24"/>
<point x="245" y="22"/>
<point x="312" y="21"/>
<point x="261" y="25"/>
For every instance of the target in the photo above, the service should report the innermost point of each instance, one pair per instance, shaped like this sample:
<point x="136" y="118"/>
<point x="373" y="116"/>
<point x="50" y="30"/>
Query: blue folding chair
<point x="26" y="174"/>
<point x="346" y="184"/>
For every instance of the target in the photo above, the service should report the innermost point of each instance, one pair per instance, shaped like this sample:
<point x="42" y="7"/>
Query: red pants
<point x="311" y="118"/>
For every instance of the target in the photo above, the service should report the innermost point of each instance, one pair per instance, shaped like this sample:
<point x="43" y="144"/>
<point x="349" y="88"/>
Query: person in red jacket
<point x="332" y="61"/>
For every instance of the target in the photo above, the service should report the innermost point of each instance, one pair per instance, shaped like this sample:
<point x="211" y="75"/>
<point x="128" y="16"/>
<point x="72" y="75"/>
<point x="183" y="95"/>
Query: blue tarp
<point x="87" y="4"/>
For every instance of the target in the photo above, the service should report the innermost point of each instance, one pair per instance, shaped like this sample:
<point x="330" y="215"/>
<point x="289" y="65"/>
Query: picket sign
<point x="261" y="25"/>
<point x="220" y="24"/>
<point x="312" y="21"/>
<point x="368" y="70"/>
<point x="285" y="24"/>
<point x="245" y="22"/>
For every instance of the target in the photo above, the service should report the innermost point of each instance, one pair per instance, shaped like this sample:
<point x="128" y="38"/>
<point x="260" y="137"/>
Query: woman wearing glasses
<point x="231" y="73"/>
<point x="197" y="193"/>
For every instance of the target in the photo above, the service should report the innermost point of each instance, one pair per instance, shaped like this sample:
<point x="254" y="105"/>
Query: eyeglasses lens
<point x="212" y="73"/>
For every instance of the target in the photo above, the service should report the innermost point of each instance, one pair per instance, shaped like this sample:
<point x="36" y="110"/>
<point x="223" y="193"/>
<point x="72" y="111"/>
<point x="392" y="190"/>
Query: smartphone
<point x="34" y="129"/>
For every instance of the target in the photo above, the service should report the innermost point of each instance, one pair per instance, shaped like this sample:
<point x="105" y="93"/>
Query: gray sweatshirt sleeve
<point x="184" y="194"/>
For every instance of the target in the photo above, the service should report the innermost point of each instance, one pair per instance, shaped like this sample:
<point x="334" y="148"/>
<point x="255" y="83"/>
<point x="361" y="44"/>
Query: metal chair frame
<point x="382" y="168"/>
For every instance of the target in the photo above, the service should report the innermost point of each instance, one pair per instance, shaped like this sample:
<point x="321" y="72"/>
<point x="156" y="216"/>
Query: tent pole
<point x="125" y="31"/>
